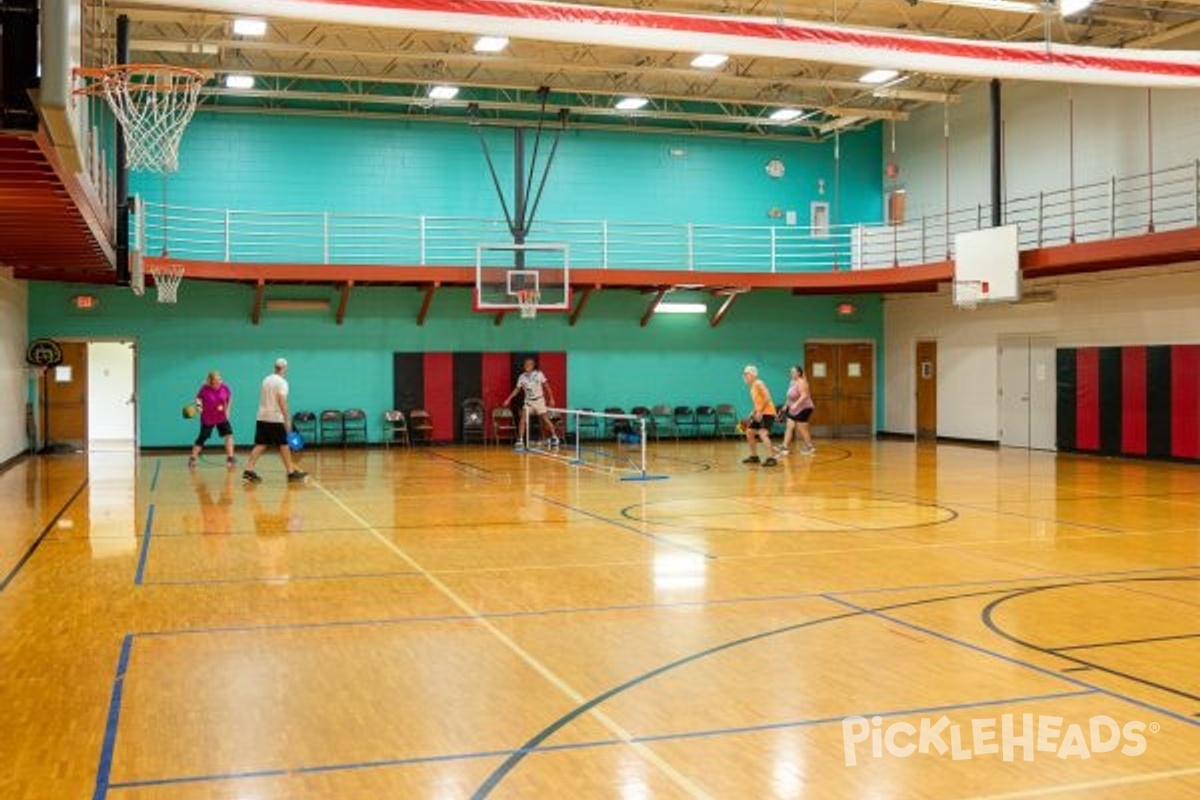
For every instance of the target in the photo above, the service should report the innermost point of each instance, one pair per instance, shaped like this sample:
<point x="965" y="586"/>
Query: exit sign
<point x="85" y="302"/>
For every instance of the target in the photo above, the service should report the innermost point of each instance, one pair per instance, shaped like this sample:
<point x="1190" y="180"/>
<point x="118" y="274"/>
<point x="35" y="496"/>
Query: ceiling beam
<point x="584" y="296"/>
<point x="430" y="290"/>
<point x="654" y="304"/>
<point x="344" y="301"/>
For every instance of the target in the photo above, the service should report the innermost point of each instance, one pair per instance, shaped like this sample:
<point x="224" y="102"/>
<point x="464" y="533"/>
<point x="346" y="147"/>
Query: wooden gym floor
<point x="456" y="622"/>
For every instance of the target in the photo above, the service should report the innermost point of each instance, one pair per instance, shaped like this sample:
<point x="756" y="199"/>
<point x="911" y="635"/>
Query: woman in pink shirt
<point x="214" y="400"/>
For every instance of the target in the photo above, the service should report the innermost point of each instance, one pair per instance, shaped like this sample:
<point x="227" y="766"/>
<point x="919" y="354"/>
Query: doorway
<point x="1027" y="392"/>
<point x="841" y="376"/>
<point x="926" y="381"/>
<point x="111" y="395"/>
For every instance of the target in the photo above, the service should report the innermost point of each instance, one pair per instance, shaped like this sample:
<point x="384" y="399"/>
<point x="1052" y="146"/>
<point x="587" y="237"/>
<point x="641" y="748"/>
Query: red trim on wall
<point x="439" y="394"/>
<point x="1133" y="401"/>
<point x="496" y="382"/>
<point x="1185" y="401"/>
<point x="1087" y="398"/>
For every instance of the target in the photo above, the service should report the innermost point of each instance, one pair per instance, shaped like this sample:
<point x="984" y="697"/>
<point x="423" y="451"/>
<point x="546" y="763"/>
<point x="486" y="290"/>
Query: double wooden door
<point x="842" y="378"/>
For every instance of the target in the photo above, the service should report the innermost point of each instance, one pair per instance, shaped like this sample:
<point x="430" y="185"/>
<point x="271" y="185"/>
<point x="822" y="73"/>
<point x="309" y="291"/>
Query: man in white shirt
<point x="536" y="387"/>
<point x="272" y="424"/>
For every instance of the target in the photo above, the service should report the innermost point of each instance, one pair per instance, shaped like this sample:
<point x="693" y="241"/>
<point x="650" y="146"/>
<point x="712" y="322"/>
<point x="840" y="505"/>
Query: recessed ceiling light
<point x="709" y="60"/>
<point x="490" y="44"/>
<point x="631" y="103"/>
<point x="878" y="76"/>
<point x="239" y="81"/>
<point x="667" y="307"/>
<point x="786" y="114"/>
<point x="250" y="27"/>
<point x="443" y="92"/>
<point x="1069" y="7"/>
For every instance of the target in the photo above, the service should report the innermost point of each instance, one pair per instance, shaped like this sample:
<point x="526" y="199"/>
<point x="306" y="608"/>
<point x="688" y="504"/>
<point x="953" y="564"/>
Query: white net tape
<point x="166" y="281"/>
<point x="154" y="104"/>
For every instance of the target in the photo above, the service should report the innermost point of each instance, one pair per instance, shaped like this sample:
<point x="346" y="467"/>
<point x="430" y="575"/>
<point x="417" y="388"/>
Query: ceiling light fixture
<point x="239" y="81"/>
<point x="443" y="92"/>
<point x="1070" y="7"/>
<point x="631" y="103"/>
<point x="709" y="60"/>
<point x="490" y="44"/>
<point x="681" y="308"/>
<point x="1014" y="6"/>
<point x="785" y="114"/>
<point x="249" y="27"/>
<point x="878" y="76"/>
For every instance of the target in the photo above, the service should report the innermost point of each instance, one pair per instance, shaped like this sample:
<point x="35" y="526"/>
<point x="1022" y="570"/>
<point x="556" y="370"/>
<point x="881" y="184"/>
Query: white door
<point x="1014" y="392"/>
<point x="1043" y="394"/>
<point x="112" y="410"/>
<point x="1028" y="392"/>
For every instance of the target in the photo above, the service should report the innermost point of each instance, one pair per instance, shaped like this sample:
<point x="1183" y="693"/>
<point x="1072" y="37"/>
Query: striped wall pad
<point x="440" y="382"/>
<point x="1133" y="401"/>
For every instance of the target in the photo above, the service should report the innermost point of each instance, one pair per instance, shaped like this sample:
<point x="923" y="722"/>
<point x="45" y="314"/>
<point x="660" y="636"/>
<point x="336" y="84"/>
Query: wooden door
<point x="926" y="381"/>
<point x="842" y="379"/>
<point x="66" y="399"/>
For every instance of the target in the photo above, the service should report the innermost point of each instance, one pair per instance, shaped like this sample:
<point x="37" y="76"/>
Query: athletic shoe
<point x="770" y="462"/>
<point x="518" y="448"/>
<point x="231" y="462"/>
<point x="554" y="441"/>
<point x="191" y="462"/>
<point x="297" y="475"/>
<point x="750" y="460"/>
<point x="250" y="476"/>
<point x="808" y="451"/>
<point x="782" y="451"/>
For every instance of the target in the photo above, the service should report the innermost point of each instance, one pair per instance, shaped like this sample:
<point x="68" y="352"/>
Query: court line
<point x="1102" y="783"/>
<point x="591" y="745"/>
<point x="289" y="579"/>
<point x="1012" y="659"/>
<point x="154" y="479"/>
<point x="36" y="543"/>
<point x="145" y="549"/>
<point x="104" y="769"/>
<point x="553" y="679"/>
<point x="1126" y="642"/>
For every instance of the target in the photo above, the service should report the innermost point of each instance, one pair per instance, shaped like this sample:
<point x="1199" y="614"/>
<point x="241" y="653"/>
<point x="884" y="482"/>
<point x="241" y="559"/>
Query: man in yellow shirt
<point x="758" y="426"/>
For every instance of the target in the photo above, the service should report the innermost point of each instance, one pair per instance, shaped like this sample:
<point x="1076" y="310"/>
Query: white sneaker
<point x="782" y="451"/>
<point x="808" y="451"/>
<point x="554" y="441"/>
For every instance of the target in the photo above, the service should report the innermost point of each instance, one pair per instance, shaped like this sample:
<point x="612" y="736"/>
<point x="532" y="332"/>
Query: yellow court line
<point x="575" y="696"/>
<point x="1104" y="783"/>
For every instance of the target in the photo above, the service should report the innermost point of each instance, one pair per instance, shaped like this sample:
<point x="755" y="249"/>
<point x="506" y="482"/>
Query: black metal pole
<point x="122" y="168"/>
<point x="997" y="156"/>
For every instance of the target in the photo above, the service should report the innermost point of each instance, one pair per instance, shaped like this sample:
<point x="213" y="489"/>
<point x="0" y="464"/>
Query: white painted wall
<point x="1111" y="138"/>
<point x="1133" y="307"/>
<point x="14" y="380"/>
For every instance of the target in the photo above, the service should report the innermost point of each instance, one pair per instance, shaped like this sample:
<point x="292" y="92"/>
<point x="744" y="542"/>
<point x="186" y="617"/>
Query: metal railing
<point x="1166" y="199"/>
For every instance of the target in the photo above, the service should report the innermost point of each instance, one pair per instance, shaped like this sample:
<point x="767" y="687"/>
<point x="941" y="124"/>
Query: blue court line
<point x="291" y="579"/>
<point x="1013" y="660"/>
<point x="104" y="770"/>
<point x="142" y="556"/>
<point x="154" y="480"/>
<point x="552" y="612"/>
<point x="44" y="536"/>
<point x="591" y="745"/>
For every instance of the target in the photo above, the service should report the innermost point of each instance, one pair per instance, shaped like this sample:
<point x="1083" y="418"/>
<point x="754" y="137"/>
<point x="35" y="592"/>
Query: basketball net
<point x="967" y="294"/>
<point x="166" y="282"/>
<point x="153" y="103"/>
<point x="527" y="302"/>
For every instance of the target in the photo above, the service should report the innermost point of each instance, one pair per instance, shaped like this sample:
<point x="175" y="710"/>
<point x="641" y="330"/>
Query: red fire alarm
<point x="85" y="302"/>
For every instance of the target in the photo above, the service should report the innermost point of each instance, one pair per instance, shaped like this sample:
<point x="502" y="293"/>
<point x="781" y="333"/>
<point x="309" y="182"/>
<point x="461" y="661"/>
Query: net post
<point x="642" y="424"/>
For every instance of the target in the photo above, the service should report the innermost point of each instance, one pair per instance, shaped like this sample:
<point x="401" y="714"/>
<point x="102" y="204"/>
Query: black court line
<point x="988" y="618"/>
<point x="28" y="554"/>
<point x="1125" y="642"/>
<point x="289" y="579"/>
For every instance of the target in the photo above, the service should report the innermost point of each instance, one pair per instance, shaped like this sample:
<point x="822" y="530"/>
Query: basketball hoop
<point x="166" y="282"/>
<point x="967" y="294"/>
<point x="153" y="103"/>
<point x="527" y="302"/>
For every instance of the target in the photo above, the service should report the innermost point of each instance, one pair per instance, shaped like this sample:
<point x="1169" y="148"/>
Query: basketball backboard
<point x="987" y="261"/>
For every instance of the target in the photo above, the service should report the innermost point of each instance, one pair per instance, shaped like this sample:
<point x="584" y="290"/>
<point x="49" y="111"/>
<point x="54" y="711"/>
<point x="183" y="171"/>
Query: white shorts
<point x="536" y="406"/>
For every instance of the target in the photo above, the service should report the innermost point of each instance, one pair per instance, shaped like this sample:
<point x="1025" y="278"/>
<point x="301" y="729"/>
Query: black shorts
<point x="223" y="429"/>
<point x="766" y="423"/>
<point x="800" y="416"/>
<point x="270" y="433"/>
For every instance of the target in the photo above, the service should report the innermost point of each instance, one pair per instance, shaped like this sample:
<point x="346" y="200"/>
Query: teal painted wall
<point x="262" y="162"/>
<point x="612" y="361"/>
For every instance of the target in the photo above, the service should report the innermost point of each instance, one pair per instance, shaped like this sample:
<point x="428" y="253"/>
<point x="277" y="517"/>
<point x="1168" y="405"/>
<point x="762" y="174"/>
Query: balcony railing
<point x="1166" y="199"/>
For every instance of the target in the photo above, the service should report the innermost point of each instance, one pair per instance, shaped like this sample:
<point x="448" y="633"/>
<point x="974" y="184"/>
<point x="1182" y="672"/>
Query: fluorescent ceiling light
<point x="443" y="92"/>
<point x="250" y="27"/>
<point x="709" y="60"/>
<point x="490" y="44"/>
<point x="631" y="103"/>
<point x="1069" y="7"/>
<point x="682" y="308"/>
<point x="785" y="114"/>
<point x="1015" y="6"/>
<point x="878" y="76"/>
<point x="239" y="81"/>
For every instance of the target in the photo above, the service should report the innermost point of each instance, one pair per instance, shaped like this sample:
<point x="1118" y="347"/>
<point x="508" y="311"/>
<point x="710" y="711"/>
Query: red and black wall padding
<point x="1133" y="401"/>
